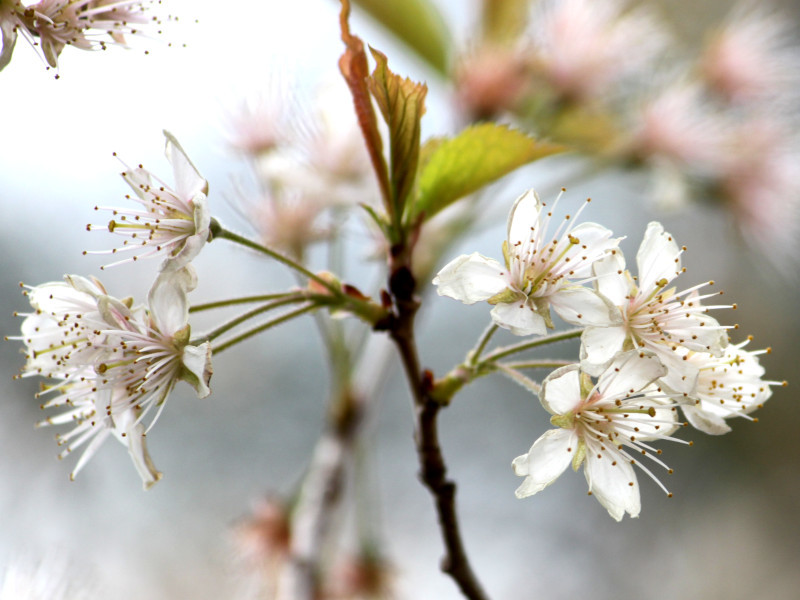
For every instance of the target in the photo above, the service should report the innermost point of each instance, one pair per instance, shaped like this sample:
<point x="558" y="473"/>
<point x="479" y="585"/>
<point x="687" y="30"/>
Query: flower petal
<point x="659" y="257"/>
<point x="545" y="461"/>
<point x="520" y="318"/>
<point x="523" y="216"/>
<point x="628" y="373"/>
<point x="197" y="361"/>
<point x="188" y="181"/>
<point x="561" y="390"/>
<point x="470" y="279"/>
<point x="705" y="421"/>
<point x="582" y="306"/>
<point x="168" y="300"/>
<point x="613" y="482"/>
<point x="599" y="345"/>
<point x="613" y="281"/>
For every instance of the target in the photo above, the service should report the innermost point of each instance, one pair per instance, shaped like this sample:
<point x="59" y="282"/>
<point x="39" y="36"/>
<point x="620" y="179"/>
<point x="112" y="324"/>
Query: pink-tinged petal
<point x="168" y="300"/>
<point x="705" y="421"/>
<point x="188" y="181"/>
<point x="582" y="306"/>
<point x="545" y="461"/>
<point x="524" y="215"/>
<point x="198" y="369"/>
<point x="659" y="257"/>
<point x="612" y="280"/>
<point x="561" y="390"/>
<point x="613" y="482"/>
<point x="471" y="279"/>
<point x="628" y="373"/>
<point x="519" y="318"/>
<point x="599" y="345"/>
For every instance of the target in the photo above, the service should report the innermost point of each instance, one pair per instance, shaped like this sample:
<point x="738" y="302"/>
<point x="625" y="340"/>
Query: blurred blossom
<point x="46" y="579"/>
<point x="583" y="48"/>
<point x="751" y="58"/>
<point x="678" y="125"/>
<point x="365" y="576"/>
<point x="760" y="185"/>
<point x="282" y="220"/>
<point x="490" y="81"/>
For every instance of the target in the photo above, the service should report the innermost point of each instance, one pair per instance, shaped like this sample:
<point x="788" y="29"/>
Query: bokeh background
<point x="732" y="529"/>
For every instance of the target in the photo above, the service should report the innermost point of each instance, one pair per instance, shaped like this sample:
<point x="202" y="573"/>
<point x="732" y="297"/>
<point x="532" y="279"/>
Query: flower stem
<point x="542" y="341"/>
<point x="537" y="364"/>
<point x="220" y="232"/>
<point x="475" y="354"/>
<point x="268" y="325"/>
<point x="249" y="315"/>
<point x="235" y="301"/>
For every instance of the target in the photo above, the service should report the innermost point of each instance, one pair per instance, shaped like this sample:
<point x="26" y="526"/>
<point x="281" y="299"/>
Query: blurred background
<point x="732" y="529"/>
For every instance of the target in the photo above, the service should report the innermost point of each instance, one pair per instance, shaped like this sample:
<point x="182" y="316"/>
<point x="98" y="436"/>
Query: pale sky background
<point x="731" y="531"/>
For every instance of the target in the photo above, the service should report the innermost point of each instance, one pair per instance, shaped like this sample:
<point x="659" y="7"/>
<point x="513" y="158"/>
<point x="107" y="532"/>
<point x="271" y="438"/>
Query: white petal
<point x="471" y="279"/>
<point x="132" y="435"/>
<point x="659" y="257"/>
<point x="705" y="421"/>
<point x="612" y="481"/>
<point x="628" y="373"/>
<point x="519" y="318"/>
<point x="613" y="281"/>
<point x="197" y="360"/>
<point x="561" y="390"/>
<point x="9" y="31"/>
<point x="524" y="215"/>
<point x="545" y="461"/>
<point x="168" y="300"/>
<point x="188" y="182"/>
<point x="681" y="375"/>
<point x="595" y="242"/>
<point x="599" y="345"/>
<point x="582" y="306"/>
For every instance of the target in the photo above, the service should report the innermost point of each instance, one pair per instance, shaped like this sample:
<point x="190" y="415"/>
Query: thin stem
<point x="542" y="341"/>
<point x="221" y="232"/>
<point x="249" y="315"/>
<point x="474" y="356"/>
<point x="235" y="301"/>
<point x="268" y="325"/>
<point x="537" y="364"/>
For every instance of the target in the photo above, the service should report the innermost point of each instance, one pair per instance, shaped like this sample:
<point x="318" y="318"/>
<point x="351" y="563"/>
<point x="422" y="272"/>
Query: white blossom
<point x="539" y="273"/>
<point x="654" y="316"/>
<point x="108" y="363"/>
<point x="731" y="385"/>
<point x="172" y="223"/>
<point x="605" y="427"/>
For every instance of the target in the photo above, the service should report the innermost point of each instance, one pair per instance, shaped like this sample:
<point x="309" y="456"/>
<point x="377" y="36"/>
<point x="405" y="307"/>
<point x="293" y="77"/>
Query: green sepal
<point x="507" y="296"/>
<point x="579" y="456"/>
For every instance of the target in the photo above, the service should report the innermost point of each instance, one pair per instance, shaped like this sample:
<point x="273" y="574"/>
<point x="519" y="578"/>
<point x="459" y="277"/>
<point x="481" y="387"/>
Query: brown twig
<point x="433" y="470"/>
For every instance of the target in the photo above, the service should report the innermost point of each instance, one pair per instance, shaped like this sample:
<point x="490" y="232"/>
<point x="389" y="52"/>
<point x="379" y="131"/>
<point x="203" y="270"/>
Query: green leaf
<point x="402" y="104"/>
<point x="418" y="24"/>
<point x="476" y="157"/>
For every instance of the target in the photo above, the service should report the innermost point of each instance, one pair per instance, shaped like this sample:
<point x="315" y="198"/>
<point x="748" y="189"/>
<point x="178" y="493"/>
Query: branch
<point x="433" y="470"/>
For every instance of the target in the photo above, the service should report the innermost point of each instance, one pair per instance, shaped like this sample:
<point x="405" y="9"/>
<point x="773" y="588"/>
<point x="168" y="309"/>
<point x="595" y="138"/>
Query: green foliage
<point x="402" y="104"/>
<point x="418" y="24"/>
<point x="476" y="157"/>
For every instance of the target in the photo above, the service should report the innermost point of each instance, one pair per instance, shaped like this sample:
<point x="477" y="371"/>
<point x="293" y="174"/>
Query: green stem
<point x="220" y="232"/>
<point x="475" y="354"/>
<point x="268" y="325"/>
<point x="249" y="315"/>
<point x="235" y="301"/>
<point x="537" y="364"/>
<point x="542" y="341"/>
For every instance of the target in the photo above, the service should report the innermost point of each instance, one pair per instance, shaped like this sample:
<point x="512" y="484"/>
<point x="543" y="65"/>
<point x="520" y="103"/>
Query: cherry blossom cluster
<point x="647" y="350"/>
<point x="51" y="25"/>
<point x="108" y="364"/>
